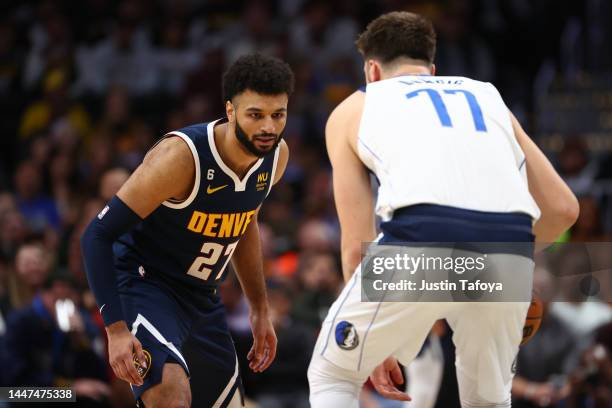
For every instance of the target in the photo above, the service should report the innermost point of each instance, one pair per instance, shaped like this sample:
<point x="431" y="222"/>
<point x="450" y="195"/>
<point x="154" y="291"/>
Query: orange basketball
<point x="533" y="320"/>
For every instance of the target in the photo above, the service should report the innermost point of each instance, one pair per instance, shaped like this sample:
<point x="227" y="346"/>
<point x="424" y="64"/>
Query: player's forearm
<point x="248" y="265"/>
<point x="351" y="257"/>
<point x="519" y="387"/>
<point x="557" y="203"/>
<point x="97" y="248"/>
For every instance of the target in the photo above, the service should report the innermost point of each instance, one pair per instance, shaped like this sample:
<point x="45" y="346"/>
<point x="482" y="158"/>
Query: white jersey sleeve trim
<point x="276" y="154"/>
<point x="196" y="185"/>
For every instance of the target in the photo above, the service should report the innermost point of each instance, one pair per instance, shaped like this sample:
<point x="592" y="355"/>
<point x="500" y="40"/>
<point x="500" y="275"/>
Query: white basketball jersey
<point x="442" y="140"/>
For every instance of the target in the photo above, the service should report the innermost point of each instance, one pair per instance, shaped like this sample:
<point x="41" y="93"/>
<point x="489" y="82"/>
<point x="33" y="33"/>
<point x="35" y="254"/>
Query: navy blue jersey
<point x="192" y="241"/>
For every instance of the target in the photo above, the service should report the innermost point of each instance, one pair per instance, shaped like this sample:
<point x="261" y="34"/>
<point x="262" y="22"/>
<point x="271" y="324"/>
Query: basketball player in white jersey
<point x="454" y="165"/>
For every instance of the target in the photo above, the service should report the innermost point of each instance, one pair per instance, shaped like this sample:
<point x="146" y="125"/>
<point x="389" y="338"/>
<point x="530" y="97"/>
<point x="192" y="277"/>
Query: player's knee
<point x="176" y="403"/>
<point x="236" y="400"/>
<point x="168" y="401"/>
<point x="167" y="396"/>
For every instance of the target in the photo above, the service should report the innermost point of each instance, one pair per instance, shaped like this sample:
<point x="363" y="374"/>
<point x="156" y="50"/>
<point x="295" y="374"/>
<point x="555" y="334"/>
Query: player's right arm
<point x="355" y="207"/>
<point x="167" y="171"/>
<point x="351" y="181"/>
<point x="558" y="205"/>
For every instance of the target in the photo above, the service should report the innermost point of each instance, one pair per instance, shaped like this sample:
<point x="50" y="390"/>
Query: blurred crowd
<point x="87" y="87"/>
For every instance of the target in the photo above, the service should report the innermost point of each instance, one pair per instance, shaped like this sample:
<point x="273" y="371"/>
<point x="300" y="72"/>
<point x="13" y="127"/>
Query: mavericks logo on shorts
<point x="142" y="371"/>
<point x="346" y="335"/>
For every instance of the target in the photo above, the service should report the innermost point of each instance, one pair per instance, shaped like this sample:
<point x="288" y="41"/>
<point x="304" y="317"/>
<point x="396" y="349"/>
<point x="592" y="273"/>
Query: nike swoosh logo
<point x="214" y="190"/>
<point x="102" y="307"/>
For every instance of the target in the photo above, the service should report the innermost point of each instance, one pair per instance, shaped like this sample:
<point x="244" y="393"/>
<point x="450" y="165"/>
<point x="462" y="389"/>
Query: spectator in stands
<point x="319" y="281"/>
<point x="591" y="381"/>
<point x="49" y="343"/>
<point x="316" y="235"/>
<point x="111" y="182"/>
<point x="544" y="364"/>
<point x="316" y="201"/>
<point x="63" y="175"/>
<point x="321" y="35"/>
<point x="576" y="166"/>
<point x="13" y="231"/>
<point x="4" y="297"/>
<point x="175" y="57"/>
<point x="589" y="226"/>
<point x="11" y="60"/>
<point x="40" y="149"/>
<point x="577" y="306"/>
<point x="51" y="46"/>
<point x="39" y="210"/>
<point x="253" y="34"/>
<point x="31" y="269"/>
<point x="96" y="158"/>
<point x="122" y="128"/>
<point x="12" y="226"/>
<point x="462" y="51"/>
<point x="203" y="81"/>
<point x="55" y="109"/>
<point x="7" y="202"/>
<point x="126" y="58"/>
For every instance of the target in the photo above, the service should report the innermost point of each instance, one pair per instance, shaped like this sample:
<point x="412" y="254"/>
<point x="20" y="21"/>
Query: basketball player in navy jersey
<point x="155" y="254"/>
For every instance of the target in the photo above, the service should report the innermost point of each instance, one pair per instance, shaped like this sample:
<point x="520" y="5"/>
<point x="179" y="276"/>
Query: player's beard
<point x="243" y="138"/>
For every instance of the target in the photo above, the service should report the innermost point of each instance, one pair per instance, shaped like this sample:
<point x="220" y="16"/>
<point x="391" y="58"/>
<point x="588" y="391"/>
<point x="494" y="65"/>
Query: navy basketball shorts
<point x="163" y="319"/>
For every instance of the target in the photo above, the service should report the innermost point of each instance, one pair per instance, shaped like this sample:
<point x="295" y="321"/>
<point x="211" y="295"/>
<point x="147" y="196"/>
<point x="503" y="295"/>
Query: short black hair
<point x="260" y="73"/>
<point x="398" y="34"/>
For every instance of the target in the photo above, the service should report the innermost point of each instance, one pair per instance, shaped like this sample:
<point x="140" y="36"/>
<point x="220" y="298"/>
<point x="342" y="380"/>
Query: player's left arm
<point x="355" y="206"/>
<point x="247" y="259"/>
<point x="558" y="205"/>
<point x="281" y="164"/>
<point x="248" y="265"/>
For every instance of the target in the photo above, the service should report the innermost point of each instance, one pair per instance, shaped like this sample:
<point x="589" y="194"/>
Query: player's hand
<point x="263" y="351"/>
<point x="385" y="376"/>
<point x="122" y="345"/>
<point x="542" y="394"/>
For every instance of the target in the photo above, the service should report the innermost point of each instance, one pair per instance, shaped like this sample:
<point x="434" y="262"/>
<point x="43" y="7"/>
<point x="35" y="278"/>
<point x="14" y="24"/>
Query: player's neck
<point x="233" y="154"/>
<point x="407" y="70"/>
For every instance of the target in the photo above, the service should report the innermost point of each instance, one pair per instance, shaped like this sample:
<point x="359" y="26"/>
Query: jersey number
<point x="442" y="112"/>
<point x="210" y="253"/>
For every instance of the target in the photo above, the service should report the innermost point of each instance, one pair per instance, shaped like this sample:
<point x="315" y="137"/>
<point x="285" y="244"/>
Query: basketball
<point x="533" y="320"/>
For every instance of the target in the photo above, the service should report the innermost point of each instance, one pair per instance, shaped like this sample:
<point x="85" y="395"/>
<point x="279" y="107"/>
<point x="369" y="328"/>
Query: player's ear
<point x="433" y="69"/>
<point x="375" y="71"/>
<point x="371" y="71"/>
<point x="229" y="111"/>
